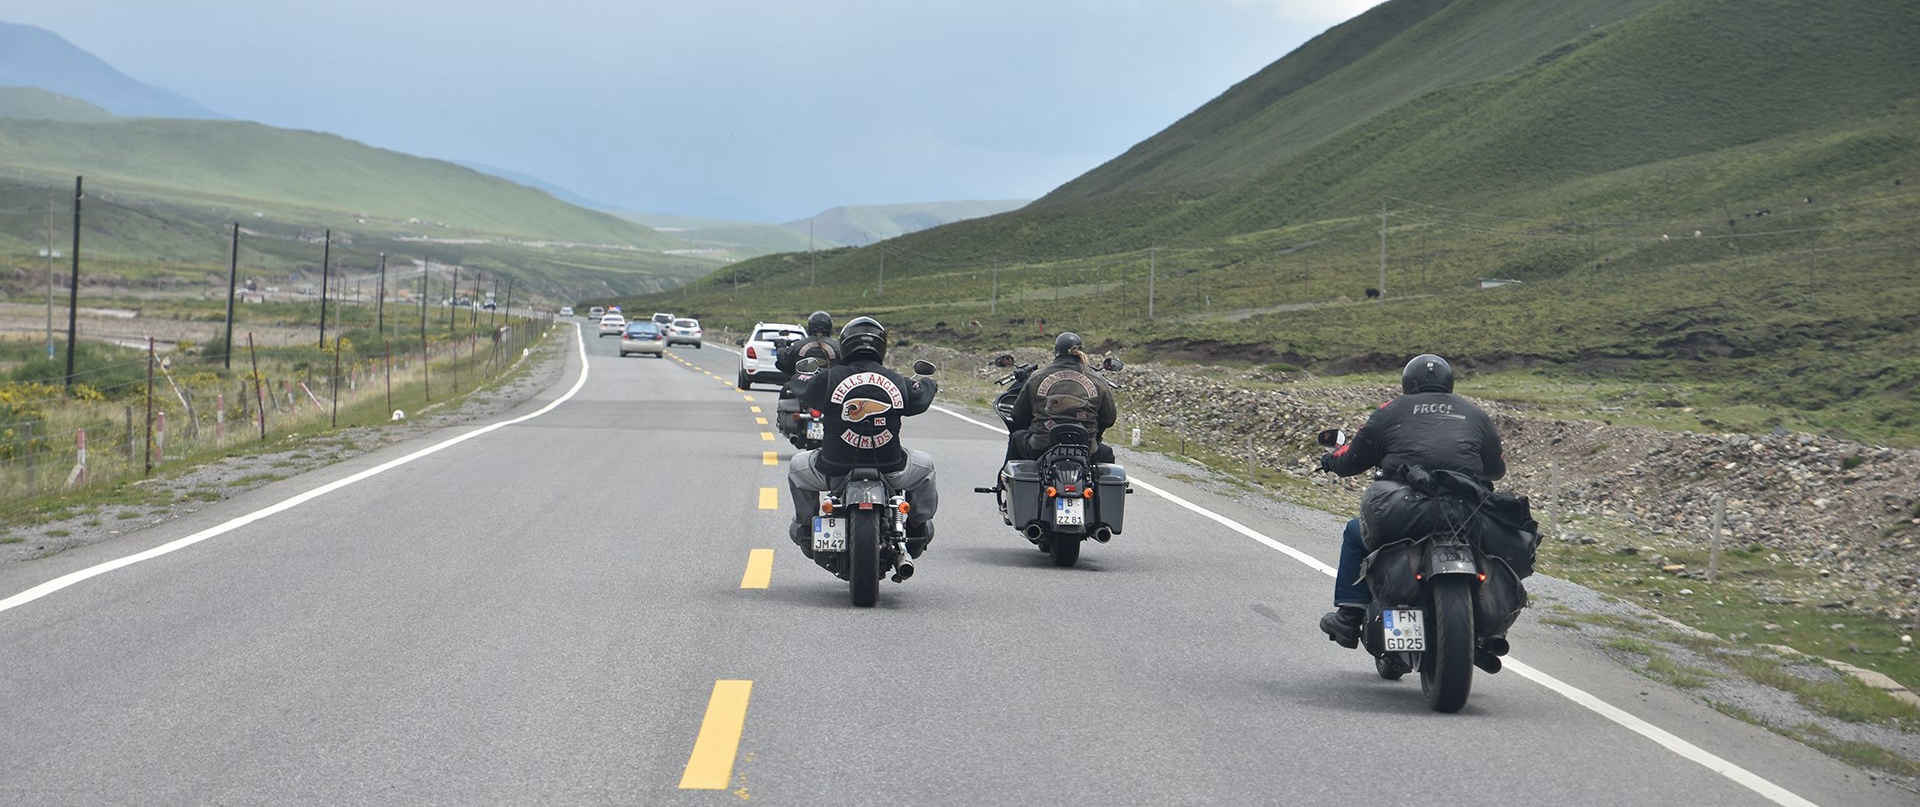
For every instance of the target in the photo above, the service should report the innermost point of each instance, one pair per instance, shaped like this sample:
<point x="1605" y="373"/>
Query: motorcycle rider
<point x="1427" y="426"/>
<point x="861" y="404"/>
<point x="1066" y="391"/>
<point x="817" y="344"/>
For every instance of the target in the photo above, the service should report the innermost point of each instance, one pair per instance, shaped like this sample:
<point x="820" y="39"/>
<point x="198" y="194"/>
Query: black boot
<point x="802" y="535"/>
<point x="1343" y="625"/>
<point x="918" y="536"/>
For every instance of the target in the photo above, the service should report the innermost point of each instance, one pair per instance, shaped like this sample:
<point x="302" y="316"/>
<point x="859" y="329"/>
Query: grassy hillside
<point x="248" y="161"/>
<point x="1710" y="203"/>
<point x="1386" y="57"/>
<point x="33" y="102"/>
<point x="858" y="225"/>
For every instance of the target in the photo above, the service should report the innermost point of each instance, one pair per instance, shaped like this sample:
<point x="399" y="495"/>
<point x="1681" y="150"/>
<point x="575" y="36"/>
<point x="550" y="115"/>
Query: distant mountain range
<point x="36" y="57"/>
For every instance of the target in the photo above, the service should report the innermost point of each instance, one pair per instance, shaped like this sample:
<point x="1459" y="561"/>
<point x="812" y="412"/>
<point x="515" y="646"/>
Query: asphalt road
<point x="553" y="611"/>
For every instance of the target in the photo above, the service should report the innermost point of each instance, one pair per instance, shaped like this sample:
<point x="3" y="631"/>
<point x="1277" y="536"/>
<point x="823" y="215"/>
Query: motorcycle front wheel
<point x="1447" y="674"/>
<point x="863" y="558"/>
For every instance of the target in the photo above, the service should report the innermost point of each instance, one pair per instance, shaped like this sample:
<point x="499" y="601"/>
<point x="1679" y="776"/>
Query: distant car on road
<point x="642" y="337"/>
<point x="596" y="312"/>
<point x="684" y="331"/>
<point x="566" y="311"/>
<point x="612" y="325"/>
<point x="761" y="348"/>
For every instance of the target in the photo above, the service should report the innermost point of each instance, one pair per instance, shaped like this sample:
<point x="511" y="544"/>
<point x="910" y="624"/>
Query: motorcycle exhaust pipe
<point x="1033" y="532"/>
<point x="1495" y="645"/>
<point x="903" y="570"/>
<point x="1103" y="535"/>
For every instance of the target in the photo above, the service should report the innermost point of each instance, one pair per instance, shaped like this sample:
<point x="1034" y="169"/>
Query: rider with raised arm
<point x="1428" y="426"/>
<point x="861" y="404"/>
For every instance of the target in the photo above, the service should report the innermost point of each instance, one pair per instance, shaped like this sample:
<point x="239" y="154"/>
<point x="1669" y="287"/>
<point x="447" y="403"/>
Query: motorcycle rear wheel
<point x="1446" y="677"/>
<point x="1064" y="549"/>
<point x="863" y="558"/>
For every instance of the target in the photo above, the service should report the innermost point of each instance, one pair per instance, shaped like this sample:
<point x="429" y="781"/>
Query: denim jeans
<point x="1348" y="588"/>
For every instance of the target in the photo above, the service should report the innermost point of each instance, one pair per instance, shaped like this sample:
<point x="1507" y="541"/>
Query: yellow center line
<point x="710" y="767"/>
<point x="767" y="436"/>
<point x="769" y="498"/>
<point x="760" y="421"/>
<point x="759" y="569"/>
<point x="756" y="410"/>
<point x="770" y="458"/>
<point x="748" y="397"/>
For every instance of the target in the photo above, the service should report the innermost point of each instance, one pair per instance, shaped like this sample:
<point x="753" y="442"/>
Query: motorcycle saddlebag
<point x="1110" y="500"/>
<point x="1391" y="573"/>
<point x="1500" y="599"/>
<point x="1392" y="510"/>
<point x="1507" y="531"/>
<point x="1021" y="478"/>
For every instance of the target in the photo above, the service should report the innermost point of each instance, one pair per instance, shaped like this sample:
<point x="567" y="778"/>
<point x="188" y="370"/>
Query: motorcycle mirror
<point x="1332" y="438"/>
<point x="924" y="367"/>
<point x="1112" y="364"/>
<point x="810" y="364"/>
<point x="1003" y="360"/>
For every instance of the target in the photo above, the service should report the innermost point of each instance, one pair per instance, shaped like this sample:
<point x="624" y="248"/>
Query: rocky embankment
<point x="1847" y="511"/>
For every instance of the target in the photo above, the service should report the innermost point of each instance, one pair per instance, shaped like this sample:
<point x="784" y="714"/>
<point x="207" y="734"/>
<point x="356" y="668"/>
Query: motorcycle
<point x="860" y="534"/>
<point x="1063" y="498"/>
<point x="1430" y="588"/>
<point x="800" y="425"/>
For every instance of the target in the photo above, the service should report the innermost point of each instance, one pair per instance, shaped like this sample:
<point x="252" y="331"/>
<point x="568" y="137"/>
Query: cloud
<point x="1321" y="11"/>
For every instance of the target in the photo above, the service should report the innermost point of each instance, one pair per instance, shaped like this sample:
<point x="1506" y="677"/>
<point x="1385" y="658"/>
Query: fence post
<point x="259" y="390"/>
<point x="336" y="382"/>
<point x="129" y="413"/>
<point x="220" y="418"/>
<point x="1713" y="550"/>
<point x="149" y="405"/>
<point x="32" y="457"/>
<point x="159" y="440"/>
<point x="79" y="475"/>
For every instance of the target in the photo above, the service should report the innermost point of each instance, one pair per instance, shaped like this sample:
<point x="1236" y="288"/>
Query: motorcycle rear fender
<point x="870" y="491"/>
<point x="1451" y="559"/>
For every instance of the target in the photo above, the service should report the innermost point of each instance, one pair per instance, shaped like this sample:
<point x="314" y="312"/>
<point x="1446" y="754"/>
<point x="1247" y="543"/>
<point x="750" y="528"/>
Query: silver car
<point x="642" y="337"/>
<point x="684" y="331"/>
<point x="613" y="325"/>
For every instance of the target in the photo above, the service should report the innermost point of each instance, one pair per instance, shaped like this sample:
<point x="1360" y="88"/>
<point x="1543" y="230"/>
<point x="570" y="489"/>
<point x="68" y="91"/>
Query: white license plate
<point x="1403" y="630"/>
<point x="828" y="535"/>
<point x="816" y="430"/>
<point x="1069" y="511"/>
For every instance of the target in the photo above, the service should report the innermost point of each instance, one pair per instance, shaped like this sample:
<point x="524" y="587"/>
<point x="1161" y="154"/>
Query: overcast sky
<point x="759" y="109"/>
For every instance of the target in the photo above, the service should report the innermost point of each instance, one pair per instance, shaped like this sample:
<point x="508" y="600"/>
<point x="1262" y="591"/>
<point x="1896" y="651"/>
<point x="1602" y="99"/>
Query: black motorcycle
<point x="801" y="426"/>
<point x="1065" y="497"/>
<point x="1442" y="601"/>
<point x="861" y="532"/>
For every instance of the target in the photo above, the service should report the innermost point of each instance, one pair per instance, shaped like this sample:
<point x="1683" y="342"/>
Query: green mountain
<point x="859" y="225"/>
<point x="1703" y="197"/>
<point x="36" y="57"/>
<point x="36" y="103"/>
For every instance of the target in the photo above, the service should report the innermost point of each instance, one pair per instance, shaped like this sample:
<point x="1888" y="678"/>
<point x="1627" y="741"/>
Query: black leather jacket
<point x="825" y="347"/>
<point x="861" y="404"/>
<point x="1438" y="431"/>
<point x="1066" y="391"/>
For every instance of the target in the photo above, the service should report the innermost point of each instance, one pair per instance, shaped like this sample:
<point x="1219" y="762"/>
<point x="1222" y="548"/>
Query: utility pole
<point x="883" y="270"/>
<point x="813" y="261"/>
<point x="233" y="279"/>
<point x="326" y="267"/>
<point x="380" y="304"/>
<point x="50" y="256"/>
<point x="1383" y="250"/>
<point x="994" y="308"/>
<point x="1153" y="254"/>
<point x="73" y="294"/>
<point x="453" y="301"/>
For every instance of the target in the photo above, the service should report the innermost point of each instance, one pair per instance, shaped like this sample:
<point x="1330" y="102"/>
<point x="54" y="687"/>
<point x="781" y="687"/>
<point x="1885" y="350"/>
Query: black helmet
<point x="864" y="337"/>
<point x="819" y="323"/>
<point x="1426" y="373"/>
<point x="1066" y="343"/>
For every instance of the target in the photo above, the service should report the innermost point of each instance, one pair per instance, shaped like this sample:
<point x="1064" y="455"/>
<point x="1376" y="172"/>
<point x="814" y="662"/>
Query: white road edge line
<point x="73" y="578"/>
<point x="1704" y="758"/>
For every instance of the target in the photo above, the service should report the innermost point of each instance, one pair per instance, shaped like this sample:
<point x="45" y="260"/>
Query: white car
<point x="613" y="325"/>
<point x="566" y="311"/>
<point x="761" y="349"/>
<point x="684" y="331"/>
